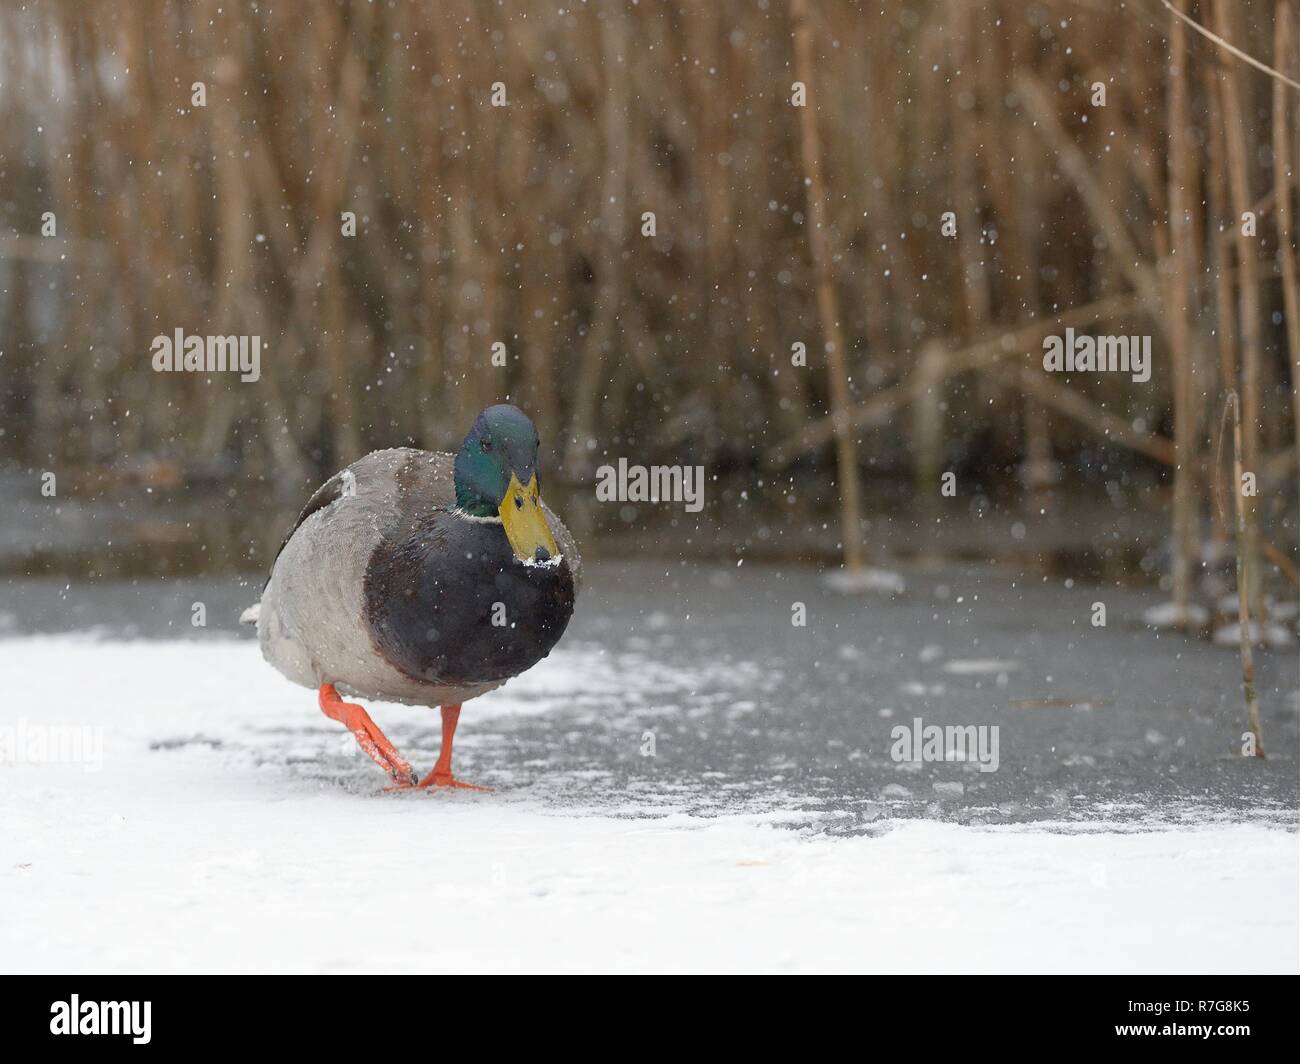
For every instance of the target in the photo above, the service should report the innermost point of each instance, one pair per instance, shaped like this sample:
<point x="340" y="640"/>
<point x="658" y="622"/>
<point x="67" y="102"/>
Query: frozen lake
<point x="751" y="713"/>
<point x="227" y="824"/>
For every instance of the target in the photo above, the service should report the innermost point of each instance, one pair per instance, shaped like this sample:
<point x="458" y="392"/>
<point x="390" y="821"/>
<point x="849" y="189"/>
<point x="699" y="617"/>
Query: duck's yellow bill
<point x="525" y="523"/>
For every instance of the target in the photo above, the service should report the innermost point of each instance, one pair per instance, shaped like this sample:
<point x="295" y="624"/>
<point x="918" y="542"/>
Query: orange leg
<point x="441" y="775"/>
<point x="373" y="741"/>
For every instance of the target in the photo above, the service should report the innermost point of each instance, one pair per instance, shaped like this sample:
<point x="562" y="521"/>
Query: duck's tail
<point x="249" y="616"/>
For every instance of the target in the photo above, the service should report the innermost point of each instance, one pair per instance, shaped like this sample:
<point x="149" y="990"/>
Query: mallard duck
<point x="424" y="578"/>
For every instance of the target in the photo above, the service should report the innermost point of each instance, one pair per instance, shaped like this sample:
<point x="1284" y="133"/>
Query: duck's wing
<point x="388" y="482"/>
<point x="327" y="493"/>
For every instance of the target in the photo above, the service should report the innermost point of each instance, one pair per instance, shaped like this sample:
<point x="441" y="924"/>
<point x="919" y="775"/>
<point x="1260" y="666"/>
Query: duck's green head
<point x="496" y="477"/>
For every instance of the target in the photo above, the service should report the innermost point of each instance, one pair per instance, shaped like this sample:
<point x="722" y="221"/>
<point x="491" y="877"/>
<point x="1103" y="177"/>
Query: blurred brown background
<point x="523" y="224"/>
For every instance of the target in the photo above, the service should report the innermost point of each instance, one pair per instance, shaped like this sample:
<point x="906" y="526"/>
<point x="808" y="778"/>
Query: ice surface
<point x="231" y="827"/>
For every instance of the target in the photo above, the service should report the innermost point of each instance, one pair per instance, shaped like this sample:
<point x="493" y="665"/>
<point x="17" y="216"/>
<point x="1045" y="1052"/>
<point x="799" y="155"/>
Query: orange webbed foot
<point x="441" y="776"/>
<point x="446" y="779"/>
<point x="369" y="736"/>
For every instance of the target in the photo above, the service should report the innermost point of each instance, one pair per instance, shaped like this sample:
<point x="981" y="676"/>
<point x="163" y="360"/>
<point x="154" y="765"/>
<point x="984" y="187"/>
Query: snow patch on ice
<point x="860" y="581"/>
<point x="1166" y="615"/>
<point x="1272" y="635"/>
<point x="980" y="667"/>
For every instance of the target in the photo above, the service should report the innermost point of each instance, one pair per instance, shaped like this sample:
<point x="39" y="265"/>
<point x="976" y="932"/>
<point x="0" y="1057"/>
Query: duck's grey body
<point x="317" y="619"/>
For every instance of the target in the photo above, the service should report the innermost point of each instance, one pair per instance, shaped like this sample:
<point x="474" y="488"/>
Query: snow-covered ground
<point x="225" y="825"/>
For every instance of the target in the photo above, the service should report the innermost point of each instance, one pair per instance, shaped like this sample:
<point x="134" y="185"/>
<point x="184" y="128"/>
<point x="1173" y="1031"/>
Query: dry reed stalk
<point x="1179" y="283"/>
<point x="1286" y="250"/>
<point x="827" y="300"/>
<point x="609" y="260"/>
<point x="1235" y="139"/>
<point x="1244" y="560"/>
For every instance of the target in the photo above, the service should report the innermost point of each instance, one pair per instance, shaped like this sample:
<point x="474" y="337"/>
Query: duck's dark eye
<point x="519" y="502"/>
